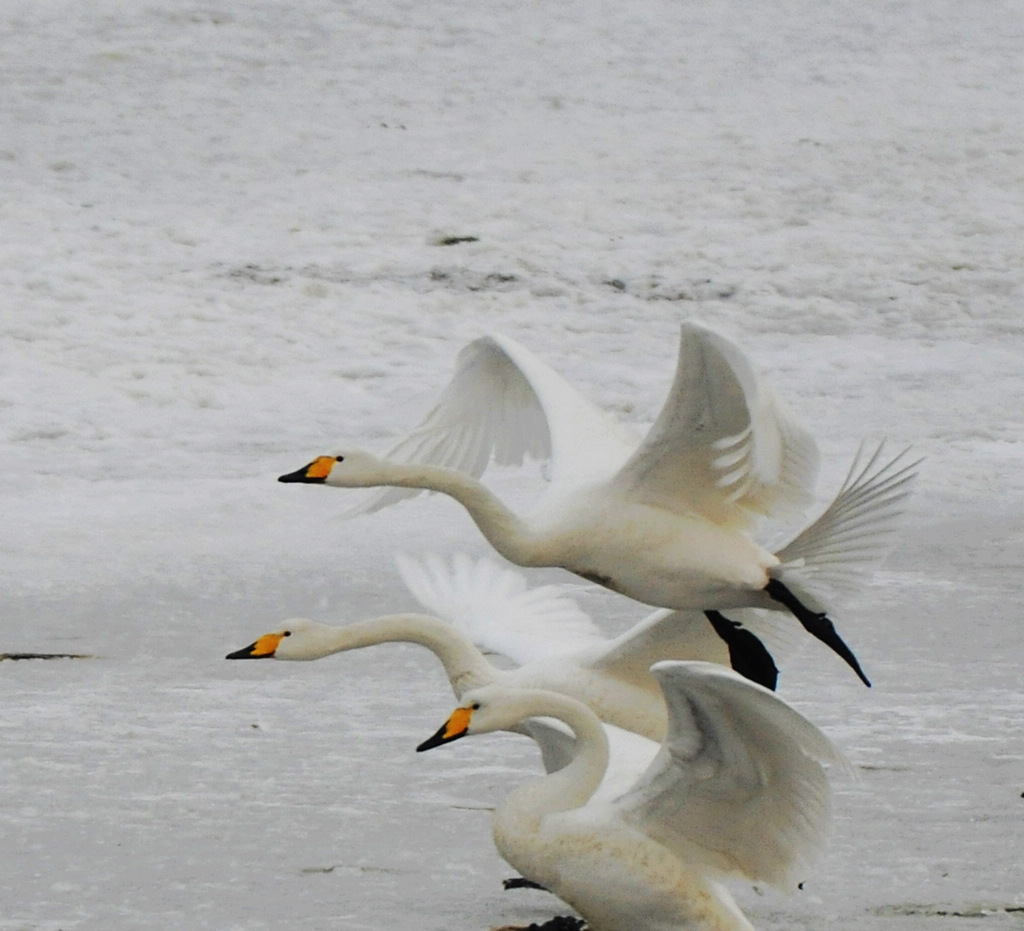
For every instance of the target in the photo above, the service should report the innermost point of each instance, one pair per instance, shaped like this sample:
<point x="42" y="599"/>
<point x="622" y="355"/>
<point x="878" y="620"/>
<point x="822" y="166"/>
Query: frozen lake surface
<point x="223" y="254"/>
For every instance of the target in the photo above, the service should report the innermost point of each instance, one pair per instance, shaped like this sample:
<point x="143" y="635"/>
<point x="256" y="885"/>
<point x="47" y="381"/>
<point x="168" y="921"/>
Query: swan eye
<point x="286" y="633"/>
<point x="475" y="706"/>
<point x="339" y="458"/>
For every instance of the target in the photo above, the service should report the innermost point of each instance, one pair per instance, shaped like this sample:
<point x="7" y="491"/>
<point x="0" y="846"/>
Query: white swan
<point x="738" y="787"/>
<point x="665" y="522"/>
<point x="557" y="646"/>
<point x="506" y="404"/>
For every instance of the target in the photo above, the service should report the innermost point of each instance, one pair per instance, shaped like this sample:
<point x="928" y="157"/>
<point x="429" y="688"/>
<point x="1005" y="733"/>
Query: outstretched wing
<point x="504" y="404"/>
<point x="723" y="444"/>
<point x="493" y="606"/>
<point x="739" y="781"/>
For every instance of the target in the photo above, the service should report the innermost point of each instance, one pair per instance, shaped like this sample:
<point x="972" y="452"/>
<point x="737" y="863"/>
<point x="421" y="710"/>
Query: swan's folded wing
<point x="739" y="781"/>
<point x="723" y="444"/>
<point x="493" y="606"/>
<point x="504" y="404"/>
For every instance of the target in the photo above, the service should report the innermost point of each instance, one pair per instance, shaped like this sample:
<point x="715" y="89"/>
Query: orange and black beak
<point x="313" y="474"/>
<point x="264" y="648"/>
<point x="455" y="727"/>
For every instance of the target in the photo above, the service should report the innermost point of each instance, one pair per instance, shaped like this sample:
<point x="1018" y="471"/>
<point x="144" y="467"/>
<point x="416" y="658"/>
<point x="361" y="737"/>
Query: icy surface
<point x="223" y="253"/>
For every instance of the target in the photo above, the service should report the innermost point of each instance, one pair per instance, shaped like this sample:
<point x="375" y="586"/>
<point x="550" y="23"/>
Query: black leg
<point x="818" y="625"/>
<point x="521" y="882"/>
<point x="747" y="655"/>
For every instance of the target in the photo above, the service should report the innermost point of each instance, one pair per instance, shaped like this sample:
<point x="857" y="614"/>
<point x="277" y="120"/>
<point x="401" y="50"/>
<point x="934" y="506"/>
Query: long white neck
<point x="572" y="786"/>
<point x="518" y="820"/>
<point x="504" y="530"/>
<point x="465" y="665"/>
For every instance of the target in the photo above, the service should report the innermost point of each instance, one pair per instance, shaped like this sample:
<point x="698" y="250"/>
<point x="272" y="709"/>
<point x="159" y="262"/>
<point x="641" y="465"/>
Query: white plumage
<point x="737" y="788"/>
<point x="665" y="520"/>
<point x="722" y="431"/>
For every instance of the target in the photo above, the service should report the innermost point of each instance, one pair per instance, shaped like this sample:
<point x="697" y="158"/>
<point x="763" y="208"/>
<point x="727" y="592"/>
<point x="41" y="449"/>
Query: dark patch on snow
<point x="969" y="910"/>
<point x="322" y="870"/>
<point x="654" y="288"/>
<point x="454" y="240"/>
<point x="257" y="275"/>
<point x="467" y="280"/>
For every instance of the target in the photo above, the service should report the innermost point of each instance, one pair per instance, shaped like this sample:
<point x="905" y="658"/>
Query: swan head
<point x="348" y="469"/>
<point x="482" y="710"/>
<point x="298" y="638"/>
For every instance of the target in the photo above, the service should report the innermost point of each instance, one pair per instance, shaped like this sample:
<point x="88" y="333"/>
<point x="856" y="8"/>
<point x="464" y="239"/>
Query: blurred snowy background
<point x="226" y="245"/>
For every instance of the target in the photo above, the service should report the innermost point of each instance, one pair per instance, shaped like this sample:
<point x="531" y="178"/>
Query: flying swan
<point x="737" y="788"/>
<point x="665" y="519"/>
<point x="480" y="605"/>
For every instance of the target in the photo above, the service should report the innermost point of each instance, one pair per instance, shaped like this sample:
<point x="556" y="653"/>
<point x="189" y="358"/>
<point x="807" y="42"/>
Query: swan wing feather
<point x="723" y="444"/>
<point x="556" y="743"/>
<point x="662" y="635"/>
<point x="492" y="604"/>
<point x="503" y="404"/>
<point x="739" y="780"/>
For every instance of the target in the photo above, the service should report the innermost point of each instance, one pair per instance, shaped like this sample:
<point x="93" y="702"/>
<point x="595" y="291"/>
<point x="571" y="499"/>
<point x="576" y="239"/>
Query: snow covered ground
<point x="222" y="252"/>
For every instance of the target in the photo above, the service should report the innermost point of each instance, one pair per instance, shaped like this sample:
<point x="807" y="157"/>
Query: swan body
<point x="557" y="646"/>
<point x="738" y="787"/>
<point x="666" y="520"/>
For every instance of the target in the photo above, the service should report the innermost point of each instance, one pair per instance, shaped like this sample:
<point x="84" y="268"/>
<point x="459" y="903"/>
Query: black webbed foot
<point x="816" y="624"/>
<point x="747" y="655"/>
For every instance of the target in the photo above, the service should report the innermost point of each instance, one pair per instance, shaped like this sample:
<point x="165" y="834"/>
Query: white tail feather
<point x="854" y="534"/>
